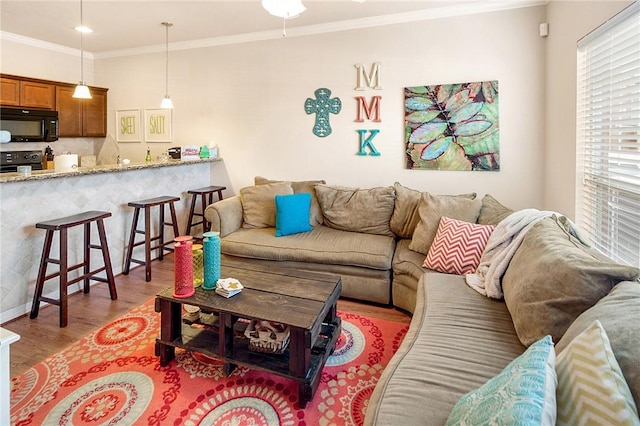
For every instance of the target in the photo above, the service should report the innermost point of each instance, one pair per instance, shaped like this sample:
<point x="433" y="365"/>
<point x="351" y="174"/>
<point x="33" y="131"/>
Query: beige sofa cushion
<point x="315" y="214"/>
<point x="553" y="278"/>
<point x="320" y="245"/>
<point x="408" y="262"/>
<point x="619" y="314"/>
<point x="259" y="205"/>
<point x="458" y="339"/>
<point x="405" y="216"/>
<point x="432" y="208"/>
<point x="357" y="210"/>
<point x="492" y="212"/>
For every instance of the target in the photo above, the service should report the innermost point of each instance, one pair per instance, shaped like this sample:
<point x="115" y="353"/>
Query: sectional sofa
<point x="390" y="245"/>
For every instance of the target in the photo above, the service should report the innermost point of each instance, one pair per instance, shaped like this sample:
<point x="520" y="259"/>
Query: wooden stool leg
<point x="147" y="243"/>
<point x="87" y="255"/>
<point x="205" y="224"/>
<point x="42" y="272"/>
<point x="174" y="220"/>
<point x="107" y="260"/>
<point x="132" y="239"/>
<point x="63" y="277"/>
<point x="161" y="233"/>
<point x="192" y="210"/>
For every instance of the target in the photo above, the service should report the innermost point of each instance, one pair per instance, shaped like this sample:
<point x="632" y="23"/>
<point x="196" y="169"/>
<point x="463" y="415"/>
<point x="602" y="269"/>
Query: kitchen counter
<point x="108" y="168"/>
<point x="46" y="195"/>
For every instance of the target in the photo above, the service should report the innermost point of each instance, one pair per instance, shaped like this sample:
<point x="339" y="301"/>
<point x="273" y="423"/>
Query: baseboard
<point x="19" y="311"/>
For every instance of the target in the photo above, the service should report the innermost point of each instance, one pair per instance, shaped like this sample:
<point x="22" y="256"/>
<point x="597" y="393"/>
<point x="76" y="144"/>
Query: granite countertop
<point x="108" y="168"/>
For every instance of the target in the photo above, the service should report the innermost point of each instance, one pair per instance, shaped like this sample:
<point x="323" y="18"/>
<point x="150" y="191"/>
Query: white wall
<point x="249" y="99"/>
<point x="560" y="152"/>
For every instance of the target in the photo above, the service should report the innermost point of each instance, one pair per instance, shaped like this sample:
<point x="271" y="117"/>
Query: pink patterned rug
<point x="113" y="377"/>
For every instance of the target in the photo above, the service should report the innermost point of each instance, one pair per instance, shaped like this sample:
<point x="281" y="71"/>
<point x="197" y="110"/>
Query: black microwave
<point x="29" y="125"/>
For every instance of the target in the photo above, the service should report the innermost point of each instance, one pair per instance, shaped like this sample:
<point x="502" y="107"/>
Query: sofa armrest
<point x="225" y="215"/>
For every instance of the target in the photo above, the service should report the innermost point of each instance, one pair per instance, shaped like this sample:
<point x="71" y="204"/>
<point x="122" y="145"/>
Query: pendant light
<point x="166" y="101"/>
<point x="82" y="90"/>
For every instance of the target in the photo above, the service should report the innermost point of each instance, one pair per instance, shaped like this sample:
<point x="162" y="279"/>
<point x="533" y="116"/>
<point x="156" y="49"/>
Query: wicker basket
<point x="267" y="337"/>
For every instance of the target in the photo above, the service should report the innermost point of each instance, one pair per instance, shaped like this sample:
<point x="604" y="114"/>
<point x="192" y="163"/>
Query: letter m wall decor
<point x="452" y="126"/>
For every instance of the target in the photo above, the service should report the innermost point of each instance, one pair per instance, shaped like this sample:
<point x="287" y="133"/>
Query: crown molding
<point x="352" y="24"/>
<point x="34" y="42"/>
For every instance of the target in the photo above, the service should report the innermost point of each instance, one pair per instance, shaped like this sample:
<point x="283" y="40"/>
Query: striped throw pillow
<point x="457" y="246"/>
<point x="591" y="388"/>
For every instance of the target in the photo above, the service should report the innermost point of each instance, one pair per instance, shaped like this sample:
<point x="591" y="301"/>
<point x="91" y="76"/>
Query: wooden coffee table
<point x="304" y="301"/>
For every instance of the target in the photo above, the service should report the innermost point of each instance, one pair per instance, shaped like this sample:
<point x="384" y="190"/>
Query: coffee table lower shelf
<point x="206" y="341"/>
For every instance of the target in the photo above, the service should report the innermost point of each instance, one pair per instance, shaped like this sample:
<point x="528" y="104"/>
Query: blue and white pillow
<point x="524" y="393"/>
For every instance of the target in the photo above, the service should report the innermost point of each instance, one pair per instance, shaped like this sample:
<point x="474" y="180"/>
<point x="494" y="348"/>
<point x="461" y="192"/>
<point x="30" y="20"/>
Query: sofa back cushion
<point x="259" y="205"/>
<point x="305" y="186"/>
<point x="553" y="278"/>
<point x="405" y="216"/>
<point x="432" y="208"/>
<point x="357" y="210"/>
<point x="492" y="212"/>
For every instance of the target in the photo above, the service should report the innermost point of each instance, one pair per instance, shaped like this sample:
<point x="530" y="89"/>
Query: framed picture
<point x="157" y="125"/>
<point x="452" y="126"/>
<point x="128" y="125"/>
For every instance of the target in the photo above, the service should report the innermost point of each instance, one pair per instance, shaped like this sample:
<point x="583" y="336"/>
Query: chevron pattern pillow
<point x="591" y="388"/>
<point x="457" y="247"/>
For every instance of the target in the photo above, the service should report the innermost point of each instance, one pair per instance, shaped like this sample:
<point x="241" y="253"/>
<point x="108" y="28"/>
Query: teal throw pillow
<point x="524" y="393"/>
<point x="292" y="214"/>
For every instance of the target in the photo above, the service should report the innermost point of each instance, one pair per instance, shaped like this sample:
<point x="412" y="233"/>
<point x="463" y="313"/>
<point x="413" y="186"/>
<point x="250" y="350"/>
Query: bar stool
<point x="202" y="192"/>
<point x="62" y="225"/>
<point x="146" y="205"/>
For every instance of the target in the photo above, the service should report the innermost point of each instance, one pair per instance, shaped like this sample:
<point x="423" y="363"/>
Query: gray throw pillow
<point x="553" y="278"/>
<point x="259" y="205"/>
<point x="357" y="210"/>
<point x="432" y="208"/>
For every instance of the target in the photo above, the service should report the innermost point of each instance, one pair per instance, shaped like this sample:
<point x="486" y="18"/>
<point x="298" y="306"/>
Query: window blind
<point x="608" y="137"/>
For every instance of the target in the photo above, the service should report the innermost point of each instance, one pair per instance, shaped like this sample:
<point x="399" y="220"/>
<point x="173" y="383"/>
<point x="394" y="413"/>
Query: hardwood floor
<point x="41" y="337"/>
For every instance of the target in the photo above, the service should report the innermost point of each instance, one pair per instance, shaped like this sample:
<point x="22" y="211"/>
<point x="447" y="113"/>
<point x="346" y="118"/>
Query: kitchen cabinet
<point x="27" y="93"/>
<point x="77" y="117"/>
<point x="82" y="117"/>
<point x="37" y="95"/>
<point x="9" y="92"/>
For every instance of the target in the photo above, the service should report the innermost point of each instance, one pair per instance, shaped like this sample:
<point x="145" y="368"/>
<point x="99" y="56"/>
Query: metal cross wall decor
<point x="322" y="106"/>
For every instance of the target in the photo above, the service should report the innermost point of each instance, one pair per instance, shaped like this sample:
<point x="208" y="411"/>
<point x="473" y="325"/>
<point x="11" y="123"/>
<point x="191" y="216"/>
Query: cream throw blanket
<point x="501" y="246"/>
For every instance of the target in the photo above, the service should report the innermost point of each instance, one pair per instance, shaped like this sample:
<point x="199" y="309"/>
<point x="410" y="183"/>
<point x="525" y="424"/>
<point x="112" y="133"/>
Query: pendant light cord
<point x="81" y="47"/>
<point x="167" y="25"/>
